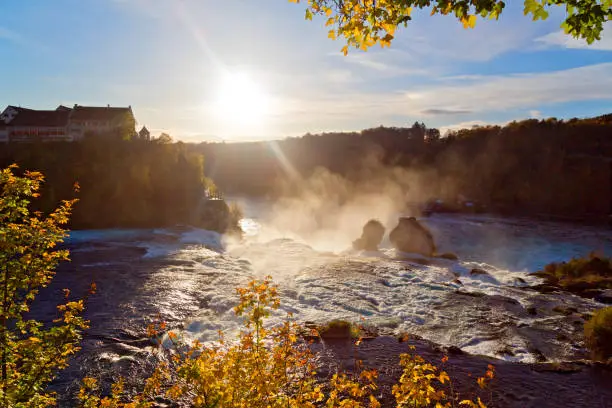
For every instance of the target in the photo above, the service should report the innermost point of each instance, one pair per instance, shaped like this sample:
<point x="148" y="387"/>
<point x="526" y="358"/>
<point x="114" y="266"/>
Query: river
<point x="186" y="277"/>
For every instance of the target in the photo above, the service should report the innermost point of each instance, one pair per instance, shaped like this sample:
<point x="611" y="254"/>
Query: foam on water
<point x="396" y="295"/>
<point x="162" y="242"/>
<point x="441" y="300"/>
<point x="116" y="235"/>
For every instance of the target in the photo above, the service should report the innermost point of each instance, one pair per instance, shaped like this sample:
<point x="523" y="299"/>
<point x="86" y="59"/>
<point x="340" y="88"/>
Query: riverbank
<point x="571" y="384"/>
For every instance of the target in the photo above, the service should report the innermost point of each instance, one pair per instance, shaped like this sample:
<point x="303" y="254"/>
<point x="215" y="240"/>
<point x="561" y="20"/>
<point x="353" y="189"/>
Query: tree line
<point x="547" y="166"/>
<point x="121" y="183"/>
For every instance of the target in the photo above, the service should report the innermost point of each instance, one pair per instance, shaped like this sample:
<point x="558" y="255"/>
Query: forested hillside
<point x="122" y="183"/>
<point x="550" y="166"/>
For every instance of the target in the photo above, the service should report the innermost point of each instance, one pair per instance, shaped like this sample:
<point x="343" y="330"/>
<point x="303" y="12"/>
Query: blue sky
<point x="175" y="62"/>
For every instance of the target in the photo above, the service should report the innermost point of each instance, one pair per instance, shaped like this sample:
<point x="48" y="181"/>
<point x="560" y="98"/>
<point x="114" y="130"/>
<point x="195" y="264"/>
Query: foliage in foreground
<point x="598" y="334"/>
<point x="31" y="352"/>
<point x="272" y="368"/>
<point x="364" y="23"/>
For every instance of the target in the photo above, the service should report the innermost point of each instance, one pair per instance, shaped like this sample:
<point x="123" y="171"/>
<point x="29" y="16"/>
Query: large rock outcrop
<point x="373" y="232"/>
<point x="217" y="215"/>
<point x="411" y="236"/>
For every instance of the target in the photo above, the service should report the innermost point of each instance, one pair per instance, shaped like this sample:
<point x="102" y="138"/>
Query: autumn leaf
<point x="356" y="19"/>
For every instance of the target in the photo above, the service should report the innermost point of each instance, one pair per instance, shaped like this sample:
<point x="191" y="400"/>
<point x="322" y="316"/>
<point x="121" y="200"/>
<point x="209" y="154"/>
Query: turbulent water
<point x="187" y="277"/>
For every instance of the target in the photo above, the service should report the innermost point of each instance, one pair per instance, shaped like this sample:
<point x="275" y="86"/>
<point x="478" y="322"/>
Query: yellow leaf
<point x="345" y="50"/>
<point x="389" y="28"/>
<point x="331" y="34"/>
<point x="469" y="22"/>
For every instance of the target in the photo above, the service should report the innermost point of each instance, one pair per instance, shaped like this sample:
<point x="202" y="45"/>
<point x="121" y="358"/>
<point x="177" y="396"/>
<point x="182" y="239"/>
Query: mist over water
<point x="304" y="243"/>
<point x="328" y="211"/>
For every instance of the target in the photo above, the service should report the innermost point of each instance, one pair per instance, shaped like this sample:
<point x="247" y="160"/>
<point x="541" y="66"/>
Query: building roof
<point x="18" y="108"/>
<point x="28" y="117"/>
<point x="99" y="113"/>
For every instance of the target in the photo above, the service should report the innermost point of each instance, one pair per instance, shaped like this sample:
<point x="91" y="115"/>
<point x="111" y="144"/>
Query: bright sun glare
<point x="241" y="102"/>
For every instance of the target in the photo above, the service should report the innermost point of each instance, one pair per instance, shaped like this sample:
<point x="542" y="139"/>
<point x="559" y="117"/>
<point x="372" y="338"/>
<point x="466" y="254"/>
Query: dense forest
<point x="121" y="183"/>
<point x="531" y="167"/>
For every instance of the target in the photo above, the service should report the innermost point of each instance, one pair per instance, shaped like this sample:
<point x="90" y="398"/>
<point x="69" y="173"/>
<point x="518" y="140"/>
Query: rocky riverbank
<point x="563" y="384"/>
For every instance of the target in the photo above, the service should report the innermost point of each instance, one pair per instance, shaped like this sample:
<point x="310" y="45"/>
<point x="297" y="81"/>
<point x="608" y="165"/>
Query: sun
<point x="241" y="102"/>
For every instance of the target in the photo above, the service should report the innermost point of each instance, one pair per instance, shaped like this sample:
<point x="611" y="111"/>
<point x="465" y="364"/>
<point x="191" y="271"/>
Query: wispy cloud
<point x="384" y="63"/>
<point x="10" y="35"/>
<point x="560" y="39"/>
<point x="476" y="99"/>
<point x="535" y="113"/>
<point x="442" y="112"/>
<point x="443" y="38"/>
<point x="525" y="91"/>
<point x="15" y="37"/>
<point x="341" y="76"/>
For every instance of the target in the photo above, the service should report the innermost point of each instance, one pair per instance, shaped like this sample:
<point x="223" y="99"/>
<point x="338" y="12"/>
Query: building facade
<point x="65" y="124"/>
<point x="3" y="133"/>
<point x="38" y="125"/>
<point x="90" y="121"/>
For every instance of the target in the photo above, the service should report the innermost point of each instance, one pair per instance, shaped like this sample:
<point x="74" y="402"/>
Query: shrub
<point x="598" y="334"/>
<point x="579" y="274"/>
<point x="31" y="352"/>
<point x="339" y="329"/>
<point x="217" y="215"/>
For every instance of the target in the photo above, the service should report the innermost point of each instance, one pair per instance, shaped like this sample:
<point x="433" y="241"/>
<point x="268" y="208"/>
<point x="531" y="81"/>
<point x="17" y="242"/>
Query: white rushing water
<point x="482" y="314"/>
